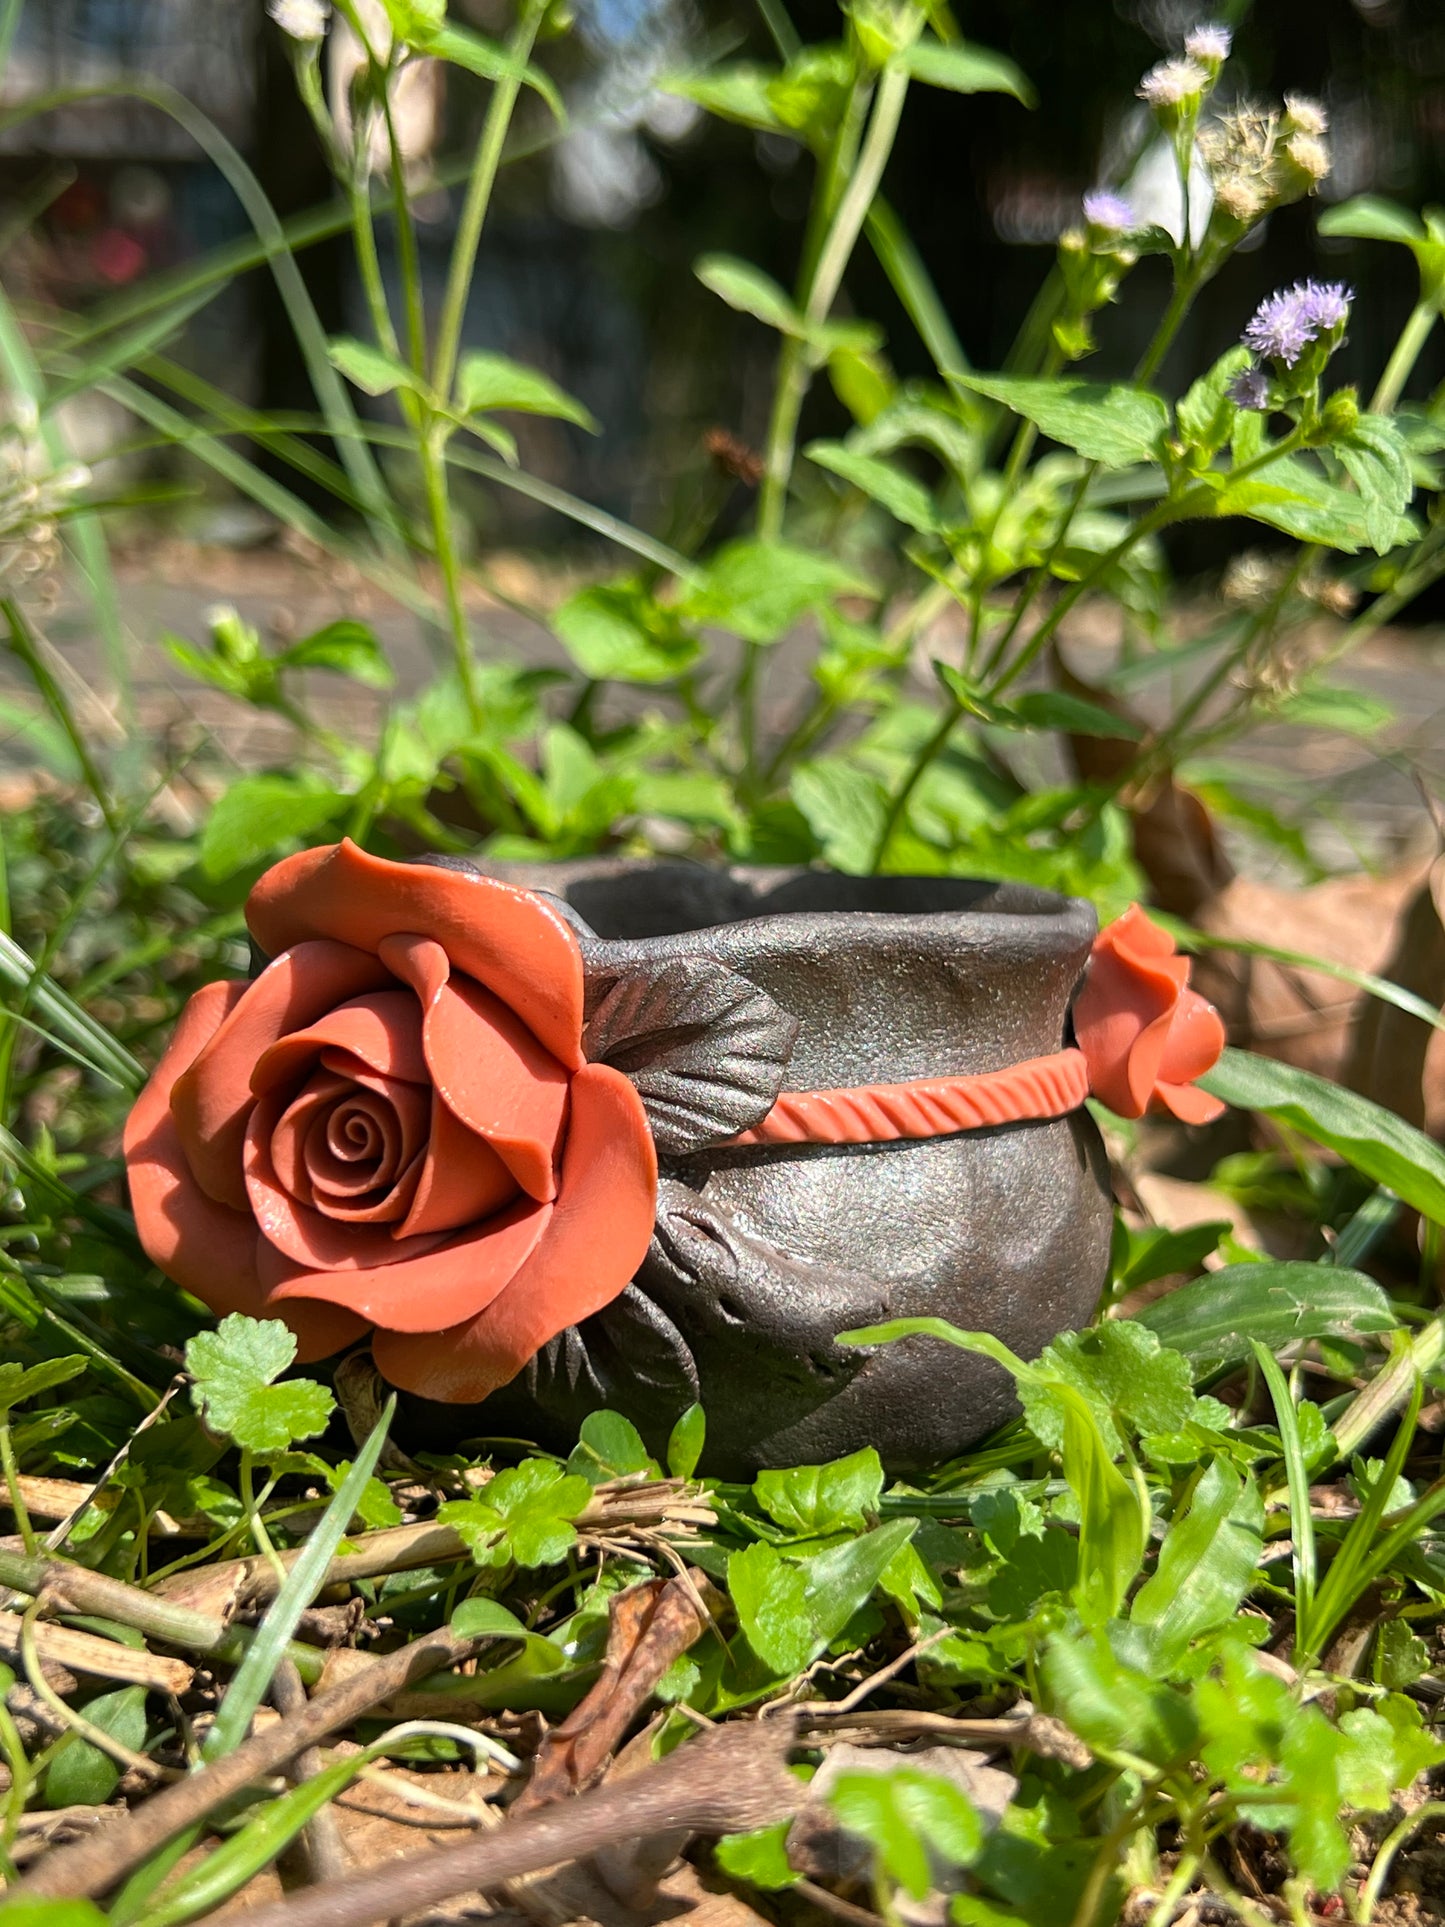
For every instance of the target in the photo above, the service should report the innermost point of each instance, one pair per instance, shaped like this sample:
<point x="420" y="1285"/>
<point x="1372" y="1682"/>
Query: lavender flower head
<point x="1250" y="389"/>
<point x="1286" y="323"/>
<point x="1172" y="82"/>
<point x="1108" y="211"/>
<point x="1209" y="43"/>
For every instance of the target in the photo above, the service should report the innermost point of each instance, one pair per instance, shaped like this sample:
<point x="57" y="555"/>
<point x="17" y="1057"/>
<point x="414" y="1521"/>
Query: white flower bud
<point x="303" y="20"/>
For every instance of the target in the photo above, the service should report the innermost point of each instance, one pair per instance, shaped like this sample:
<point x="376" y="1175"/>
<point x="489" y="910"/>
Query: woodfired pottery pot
<point x="721" y="988"/>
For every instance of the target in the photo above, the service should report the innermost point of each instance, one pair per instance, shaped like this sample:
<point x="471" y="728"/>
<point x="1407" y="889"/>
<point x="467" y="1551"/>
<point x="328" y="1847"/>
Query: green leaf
<point x="760" y="1857"/>
<point x="1205" y="414"/>
<point x="615" y="631"/>
<point x="1214" y="1321"/>
<point x="18" y="1382"/>
<point x="1365" y="1135"/>
<point x="1115" y="425"/>
<point x="965" y="69"/>
<point x="1369" y="217"/>
<point x="347" y="646"/>
<point x="750" y="291"/>
<point x="759" y="590"/>
<point x="844" y="807"/>
<point x="1073" y="715"/>
<point x="684" y="1447"/>
<point x="1293" y="496"/>
<point x="372" y="370"/>
<point x="258" y="815"/>
<point x="910" y="1819"/>
<point x="610" y="1446"/>
<point x="51" y="1913"/>
<point x="905" y="498"/>
<point x="487" y="381"/>
<point x="526" y="1516"/>
<point x="1322" y="705"/>
<point x="769" y="1595"/>
<point x="1206" y="1564"/>
<point x="483" y="1618"/>
<point x="1378" y="462"/>
<point x="466" y="48"/>
<point x="1144" y="1253"/>
<point x="738" y="93"/>
<point x="1113" y="1708"/>
<point x="79" y="1774"/>
<point x="1123" y="1372"/>
<point x="234" y="1368"/>
<point x="813" y="1500"/>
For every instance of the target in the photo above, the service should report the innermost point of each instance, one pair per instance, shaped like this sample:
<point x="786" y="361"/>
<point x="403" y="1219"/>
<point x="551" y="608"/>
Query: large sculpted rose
<point x="393" y="1127"/>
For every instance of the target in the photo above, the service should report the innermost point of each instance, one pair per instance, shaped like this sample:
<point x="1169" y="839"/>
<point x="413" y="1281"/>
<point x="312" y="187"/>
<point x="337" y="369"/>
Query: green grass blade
<point x="252" y="1678"/>
<point x="1302" y="1528"/>
<point x="65" y="1016"/>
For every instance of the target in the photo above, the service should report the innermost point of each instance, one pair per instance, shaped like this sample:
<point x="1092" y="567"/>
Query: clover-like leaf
<point x="235" y="1368"/>
<point x="705" y="1048"/>
<point x="526" y="1516"/>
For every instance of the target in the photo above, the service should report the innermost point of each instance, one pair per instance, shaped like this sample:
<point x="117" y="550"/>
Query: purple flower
<point x="1250" y="389"/>
<point x="1209" y="43"/>
<point x="1286" y="323"/>
<point x="1109" y="211"/>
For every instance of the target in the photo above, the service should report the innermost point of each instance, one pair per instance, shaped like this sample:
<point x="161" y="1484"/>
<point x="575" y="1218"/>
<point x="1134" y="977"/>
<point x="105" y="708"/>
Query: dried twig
<point x="93" y="1865"/>
<point x="73" y="1588"/>
<point x="326" y="1857"/>
<point x="1036" y="1733"/>
<point x="728" y="1781"/>
<point x="101" y="1658"/>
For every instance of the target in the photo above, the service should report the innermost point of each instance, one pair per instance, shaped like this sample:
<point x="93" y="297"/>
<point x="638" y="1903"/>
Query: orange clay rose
<point x="1145" y="1034"/>
<point x="393" y="1126"/>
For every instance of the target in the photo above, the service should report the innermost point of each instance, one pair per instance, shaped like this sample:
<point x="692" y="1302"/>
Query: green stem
<point x="439" y="508"/>
<point x="12" y="1481"/>
<point x="920" y="765"/>
<point x="1406" y="352"/>
<point x="478" y="196"/>
<point x="27" y="648"/>
<point x="833" y="258"/>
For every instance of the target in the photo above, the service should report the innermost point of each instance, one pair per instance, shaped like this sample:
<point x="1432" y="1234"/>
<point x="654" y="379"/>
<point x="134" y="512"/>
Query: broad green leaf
<point x="1364" y="1134"/>
<point x="768" y="1593"/>
<point x="259" y="815"/>
<point x="1113" y="1708"/>
<point x="965" y="69"/>
<point x="79" y="1774"/>
<point x="483" y="1618"/>
<point x="347" y="646"/>
<point x="1370" y="217"/>
<point x="234" y="1368"/>
<point x="615" y="631"/>
<point x="750" y="291"/>
<point x="1292" y="496"/>
<point x="1123" y="1372"/>
<point x="760" y="1857"/>
<point x="844" y="807"/>
<point x="812" y="1500"/>
<point x="759" y="590"/>
<point x="526" y="1515"/>
<point x="1205" y="414"/>
<point x="488" y="381"/>
<point x="1322" y="705"/>
<point x="909" y="1819"/>
<point x="19" y="1382"/>
<point x="1279" y="1302"/>
<point x="1142" y="1254"/>
<point x="684" y="1447"/>
<point x="839" y="1581"/>
<point x="372" y="370"/>
<point x="1206" y="1564"/>
<point x="737" y="93"/>
<point x="50" y="1913"/>
<point x="1115" y="425"/>
<point x="1378" y="462"/>
<point x="905" y="498"/>
<point x="466" y="48"/>
<point x="1073" y="715"/>
<point x="609" y="1446"/>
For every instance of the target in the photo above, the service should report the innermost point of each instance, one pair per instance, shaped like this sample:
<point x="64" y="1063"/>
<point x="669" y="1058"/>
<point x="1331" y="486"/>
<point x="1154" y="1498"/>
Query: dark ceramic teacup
<point x="763" y="1253"/>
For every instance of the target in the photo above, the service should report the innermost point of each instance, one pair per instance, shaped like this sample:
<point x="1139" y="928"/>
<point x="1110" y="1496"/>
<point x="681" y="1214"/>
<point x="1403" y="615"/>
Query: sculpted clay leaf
<point x="705" y="1048"/>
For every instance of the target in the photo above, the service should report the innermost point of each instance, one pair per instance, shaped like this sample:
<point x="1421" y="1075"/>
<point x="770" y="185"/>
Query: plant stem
<point x="12" y="1481"/>
<point x="439" y="508"/>
<point x="795" y="364"/>
<point x="479" y="194"/>
<point x="1404" y="355"/>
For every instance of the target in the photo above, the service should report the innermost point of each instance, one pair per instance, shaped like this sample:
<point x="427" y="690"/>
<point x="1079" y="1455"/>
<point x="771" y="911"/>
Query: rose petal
<point x="1196" y="1037"/>
<point x="398" y="1118"/>
<point x="462" y="1180"/>
<point x="452" y="1283"/>
<point x="509" y="940"/>
<point x="383" y="1030"/>
<point x="1121" y="1016"/>
<point x="485" y="1064"/>
<point x="289" y="1136"/>
<point x="212" y="1099"/>
<point x="307" y="1236"/>
<point x="1189" y="1104"/>
<point x="205" y="1247"/>
<point x="598" y="1236"/>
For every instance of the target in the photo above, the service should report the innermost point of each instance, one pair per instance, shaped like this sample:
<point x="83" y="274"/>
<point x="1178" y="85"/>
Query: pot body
<point x="762" y="1255"/>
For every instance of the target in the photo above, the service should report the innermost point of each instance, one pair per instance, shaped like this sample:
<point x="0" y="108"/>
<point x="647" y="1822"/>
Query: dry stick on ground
<point x="731" y="1780"/>
<point x="100" y="1658"/>
<point x="326" y="1858"/>
<point x="73" y="1588"/>
<point x="91" y="1866"/>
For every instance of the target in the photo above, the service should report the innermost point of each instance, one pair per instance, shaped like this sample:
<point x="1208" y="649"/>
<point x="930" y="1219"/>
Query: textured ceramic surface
<point x="762" y="1254"/>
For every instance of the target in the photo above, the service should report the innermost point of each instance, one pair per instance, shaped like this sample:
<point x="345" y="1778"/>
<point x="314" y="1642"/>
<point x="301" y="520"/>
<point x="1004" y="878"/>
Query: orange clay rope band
<point x="1041" y="1087"/>
<point x="1144" y="1037"/>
